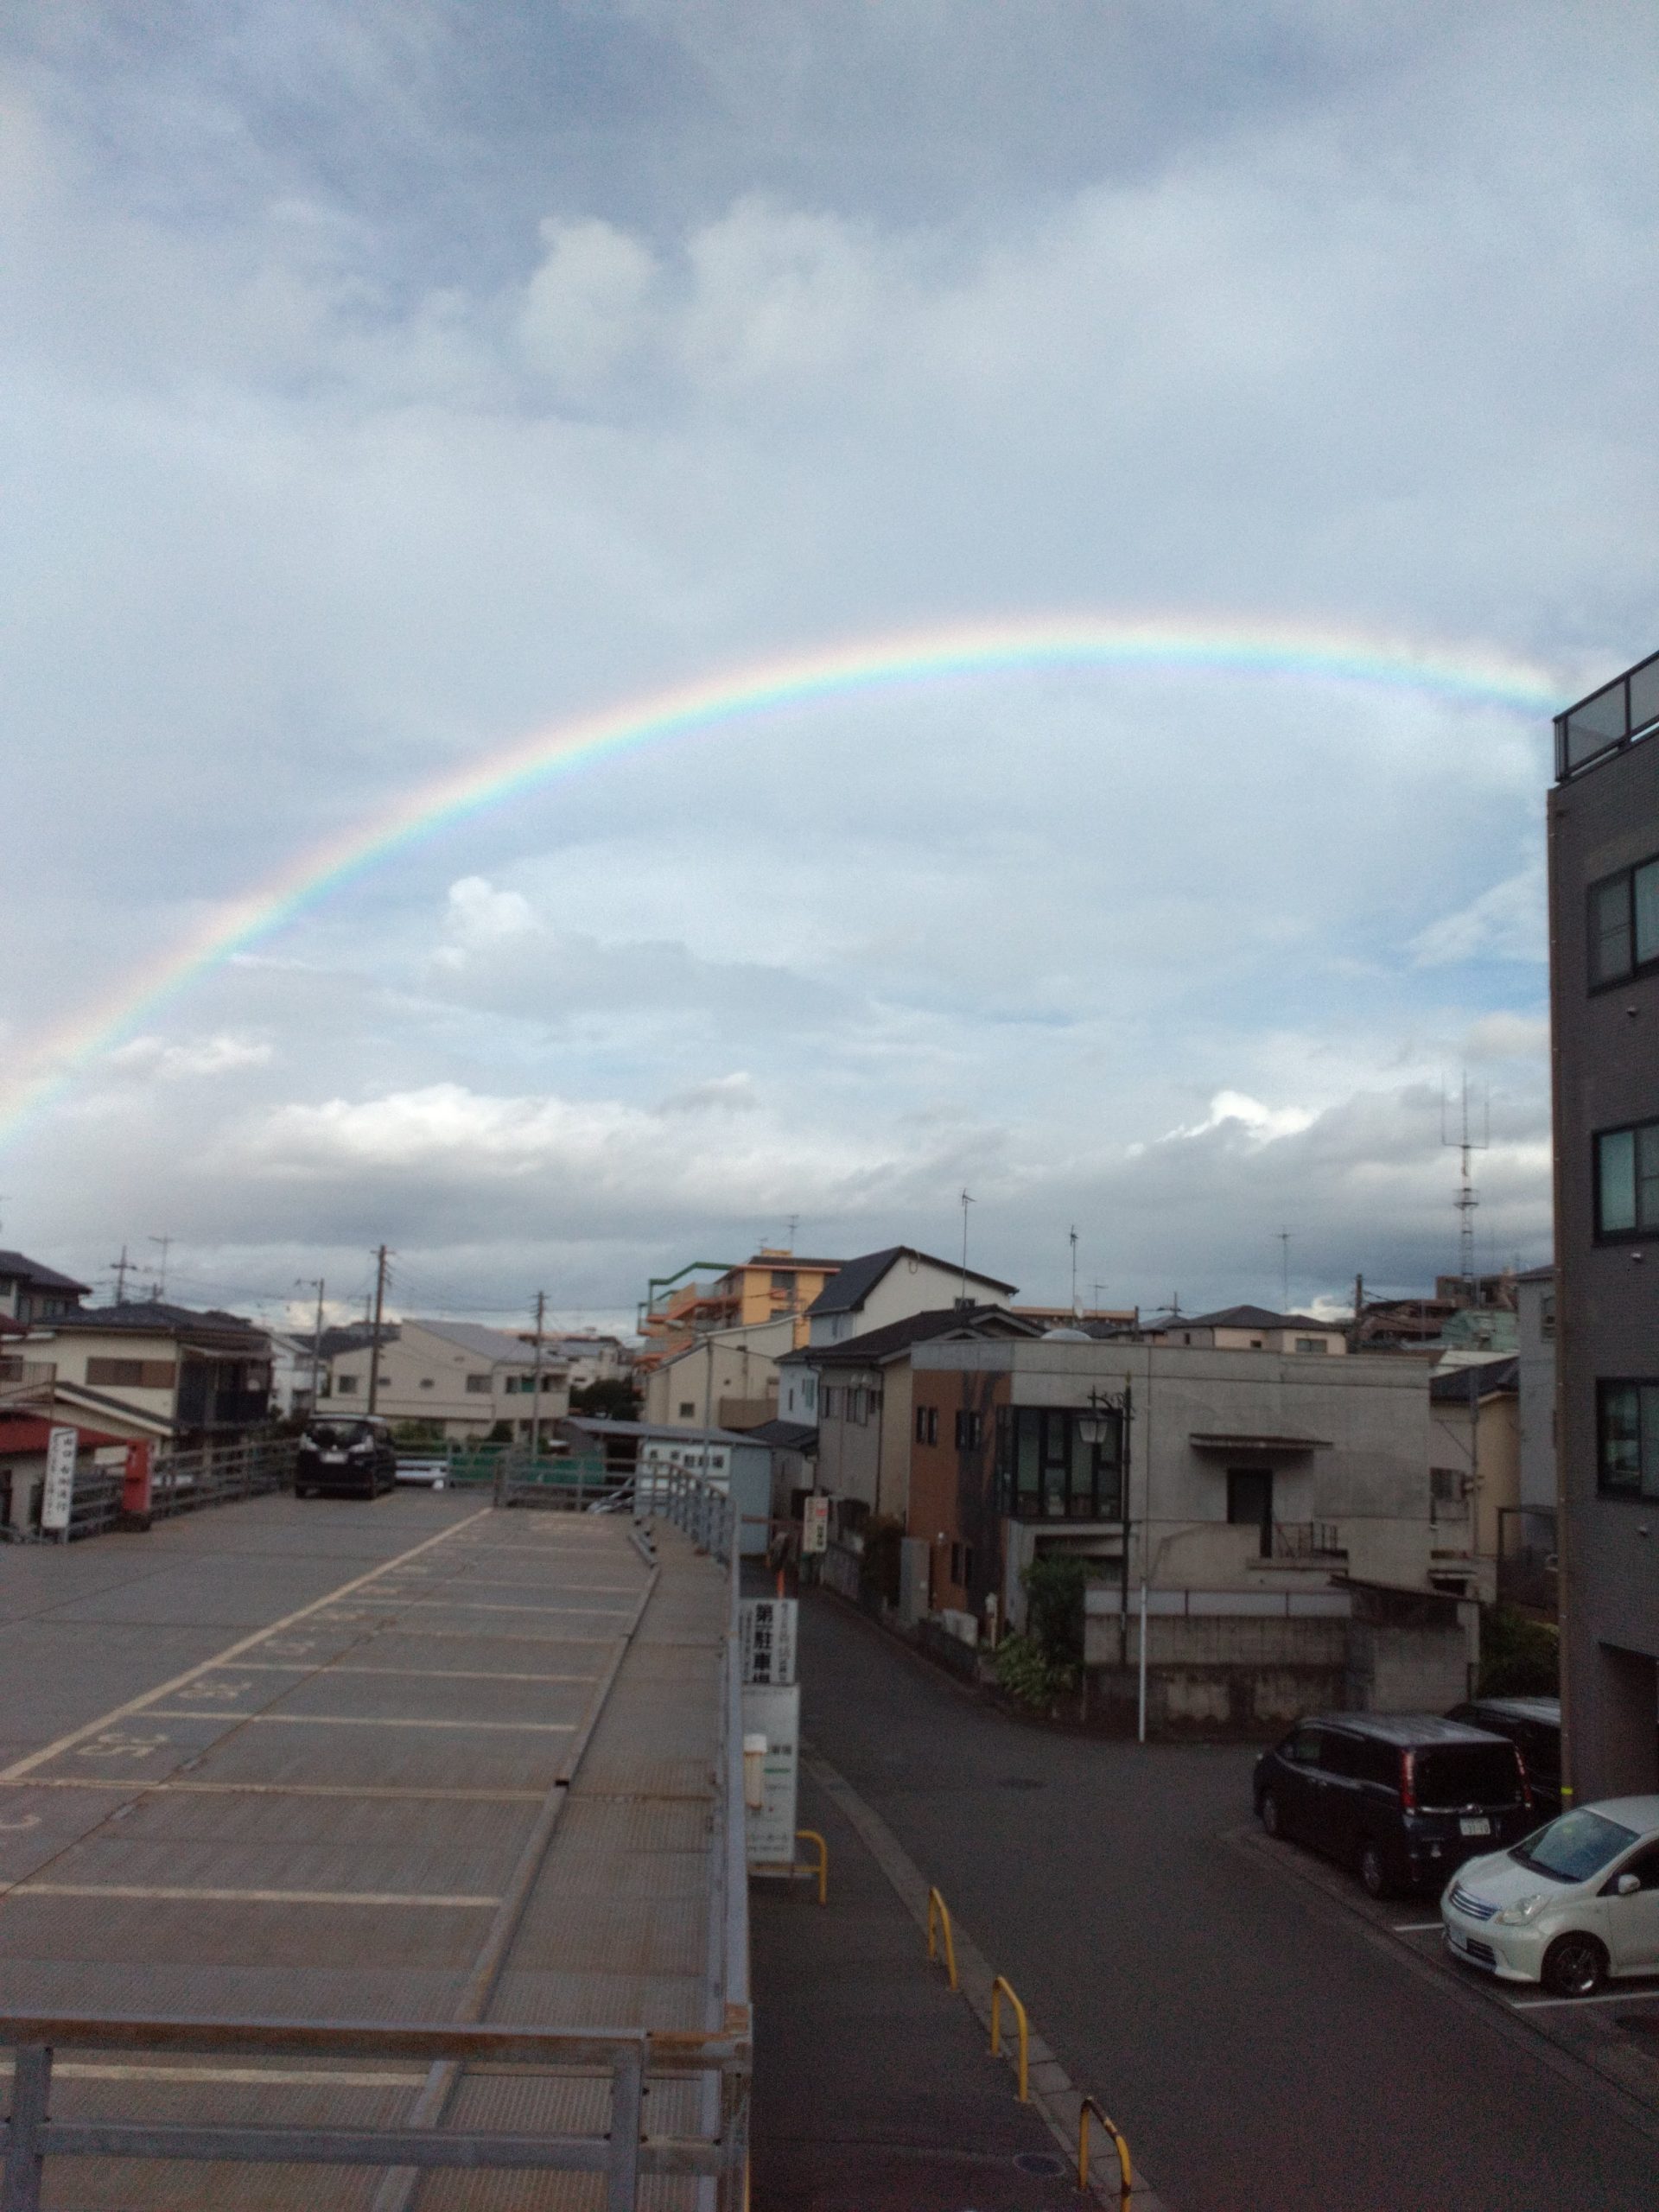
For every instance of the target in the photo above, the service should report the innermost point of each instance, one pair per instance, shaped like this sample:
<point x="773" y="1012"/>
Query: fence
<point x="184" y="1482"/>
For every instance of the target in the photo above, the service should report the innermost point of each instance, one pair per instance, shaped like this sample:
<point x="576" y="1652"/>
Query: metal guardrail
<point x="622" y="2153"/>
<point x="702" y="1509"/>
<point x="1125" y="2172"/>
<point x="1000" y="1988"/>
<point x="184" y="1482"/>
<point x="938" y="1917"/>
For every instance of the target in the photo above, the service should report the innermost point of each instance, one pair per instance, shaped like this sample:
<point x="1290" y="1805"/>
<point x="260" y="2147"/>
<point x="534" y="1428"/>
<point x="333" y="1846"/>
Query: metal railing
<point x="1306" y="1540"/>
<point x="181" y="1482"/>
<point x="1125" y="2172"/>
<point x="703" y="1509"/>
<point x="939" y="1921"/>
<point x="620" y="2152"/>
<point x="1002" y="1987"/>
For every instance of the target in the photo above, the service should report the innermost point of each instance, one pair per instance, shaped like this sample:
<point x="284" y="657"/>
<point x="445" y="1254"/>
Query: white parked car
<point x="1570" y="1905"/>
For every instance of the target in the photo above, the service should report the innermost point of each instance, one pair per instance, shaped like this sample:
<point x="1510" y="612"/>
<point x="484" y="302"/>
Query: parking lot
<point x="1615" y="2033"/>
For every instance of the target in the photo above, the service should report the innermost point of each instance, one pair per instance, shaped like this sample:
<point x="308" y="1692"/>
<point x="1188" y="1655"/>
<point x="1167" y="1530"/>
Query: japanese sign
<point x="60" y="1491"/>
<point x="814" y="1531"/>
<point x="766" y="1627"/>
<point x="775" y="1714"/>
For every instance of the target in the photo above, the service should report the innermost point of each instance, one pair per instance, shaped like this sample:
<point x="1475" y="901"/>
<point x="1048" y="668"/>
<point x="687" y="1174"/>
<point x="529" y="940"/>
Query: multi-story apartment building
<point x="1604" y="908"/>
<point x="774" y="1284"/>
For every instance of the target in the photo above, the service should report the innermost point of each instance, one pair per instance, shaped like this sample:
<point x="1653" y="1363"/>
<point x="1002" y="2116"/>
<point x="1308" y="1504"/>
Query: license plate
<point x="334" y="1458"/>
<point x="1480" y="1827"/>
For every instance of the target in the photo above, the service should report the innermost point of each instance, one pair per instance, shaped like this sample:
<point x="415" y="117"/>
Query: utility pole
<point x="317" y="1343"/>
<point x="535" y="1382"/>
<point x="121" y="1267"/>
<point x="374" y="1340"/>
<point x="1284" y="1255"/>
<point x="966" y="1203"/>
<point x="166" y="1244"/>
<point x="1075" y="1309"/>
<point x="1359" y="1311"/>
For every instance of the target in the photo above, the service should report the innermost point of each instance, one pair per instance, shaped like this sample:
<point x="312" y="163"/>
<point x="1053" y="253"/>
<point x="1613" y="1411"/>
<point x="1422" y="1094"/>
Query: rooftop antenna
<point x="794" y="1223"/>
<point x="1466" y="1200"/>
<point x="166" y="1244"/>
<point x="121" y="1267"/>
<point x="1075" y="1309"/>
<point x="966" y="1202"/>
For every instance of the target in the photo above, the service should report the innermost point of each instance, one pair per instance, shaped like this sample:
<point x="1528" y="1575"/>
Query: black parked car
<point x="355" y="1456"/>
<point x="1402" y="1798"/>
<point x="1533" y="1724"/>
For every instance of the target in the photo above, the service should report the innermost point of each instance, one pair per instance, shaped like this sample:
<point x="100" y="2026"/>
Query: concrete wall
<point x="1607" y="1046"/>
<point x="1534" y="1303"/>
<point x="728" y="1364"/>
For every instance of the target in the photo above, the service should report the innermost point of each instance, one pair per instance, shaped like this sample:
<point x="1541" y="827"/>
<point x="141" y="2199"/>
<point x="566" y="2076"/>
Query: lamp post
<point x="1093" y="1426"/>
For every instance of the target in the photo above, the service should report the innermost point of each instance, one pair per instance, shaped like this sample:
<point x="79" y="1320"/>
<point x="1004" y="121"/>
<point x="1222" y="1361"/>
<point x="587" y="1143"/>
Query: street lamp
<point x="1094" y="1426"/>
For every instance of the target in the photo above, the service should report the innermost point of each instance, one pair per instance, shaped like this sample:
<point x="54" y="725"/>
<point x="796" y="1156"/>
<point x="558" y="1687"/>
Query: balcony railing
<point x="1310" y="1540"/>
<point x="20" y="1378"/>
<point x="1615" y="716"/>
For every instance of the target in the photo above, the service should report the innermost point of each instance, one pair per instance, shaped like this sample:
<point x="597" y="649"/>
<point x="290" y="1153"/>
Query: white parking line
<point x="369" y="1720"/>
<point x="1414" y="1927"/>
<point x="1608" y="1997"/>
<point x="398" y="1897"/>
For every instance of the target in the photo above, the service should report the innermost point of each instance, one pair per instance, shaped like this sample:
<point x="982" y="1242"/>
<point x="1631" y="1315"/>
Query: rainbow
<point x="849" y="670"/>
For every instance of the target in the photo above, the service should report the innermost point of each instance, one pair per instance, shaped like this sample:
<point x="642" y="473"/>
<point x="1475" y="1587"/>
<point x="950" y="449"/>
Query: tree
<point x="612" y="1398"/>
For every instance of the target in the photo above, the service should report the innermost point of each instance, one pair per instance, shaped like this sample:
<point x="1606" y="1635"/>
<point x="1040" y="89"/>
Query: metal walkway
<point x="480" y="1772"/>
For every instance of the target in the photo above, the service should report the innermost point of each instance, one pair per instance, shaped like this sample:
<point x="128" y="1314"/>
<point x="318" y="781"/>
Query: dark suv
<point x="1533" y="1724"/>
<point x="355" y="1455"/>
<point x="1402" y="1798"/>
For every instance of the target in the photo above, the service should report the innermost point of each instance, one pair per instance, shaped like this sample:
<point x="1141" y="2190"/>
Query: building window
<point x="831" y="1402"/>
<point x="1312" y="1343"/>
<point x="479" y="1385"/>
<point x="971" y="1428"/>
<point x="1249" y="1502"/>
<point x="1627" y="1458"/>
<point x="346" y="1384"/>
<point x="688" y="1409"/>
<point x="426" y="1382"/>
<point x="927" y="1424"/>
<point x="131" y="1374"/>
<point x="1623" y="922"/>
<point x="1627" y="1181"/>
<point x="809" y="1391"/>
<point x="1047" y="1472"/>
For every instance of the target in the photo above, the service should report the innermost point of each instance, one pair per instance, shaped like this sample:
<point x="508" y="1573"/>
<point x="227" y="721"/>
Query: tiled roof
<point x="15" y="1264"/>
<point x="877" y="1346"/>
<point x="846" y="1292"/>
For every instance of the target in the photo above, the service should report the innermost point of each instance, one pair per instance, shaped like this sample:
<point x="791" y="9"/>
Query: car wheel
<point x="1267" y="1811"/>
<point x="1574" y="1966"/>
<point x="1374" y="1871"/>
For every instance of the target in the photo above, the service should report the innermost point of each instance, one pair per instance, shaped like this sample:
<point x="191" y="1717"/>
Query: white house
<point x="455" y="1376"/>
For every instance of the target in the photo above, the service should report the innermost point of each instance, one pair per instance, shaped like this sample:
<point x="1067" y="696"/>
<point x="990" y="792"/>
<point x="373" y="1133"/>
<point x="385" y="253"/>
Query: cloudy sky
<point x="384" y="381"/>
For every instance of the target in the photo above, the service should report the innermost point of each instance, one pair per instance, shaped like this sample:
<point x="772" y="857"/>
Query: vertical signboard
<point x="815" y="1523"/>
<point x="776" y="1714"/>
<point x="766" y="1627"/>
<point x="59" y="1494"/>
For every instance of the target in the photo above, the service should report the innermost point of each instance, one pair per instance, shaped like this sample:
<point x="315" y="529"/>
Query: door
<point x="1249" y="1502"/>
<point x="1300" y="1785"/>
<point x="1632" y="1924"/>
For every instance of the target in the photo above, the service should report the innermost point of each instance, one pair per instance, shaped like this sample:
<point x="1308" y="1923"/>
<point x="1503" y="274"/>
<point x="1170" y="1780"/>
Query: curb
<point x="1053" y="2093"/>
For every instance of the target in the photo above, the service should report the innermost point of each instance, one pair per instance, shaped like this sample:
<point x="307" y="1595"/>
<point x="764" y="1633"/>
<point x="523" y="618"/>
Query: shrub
<point x="1519" y="1656"/>
<point x="612" y="1398"/>
<point x="878" y="1566"/>
<point x="1054" y="1590"/>
<point x="1025" y="1671"/>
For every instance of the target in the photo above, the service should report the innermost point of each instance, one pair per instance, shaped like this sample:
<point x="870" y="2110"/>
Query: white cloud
<point x="1509" y="1037"/>
<point x="153" y="1057"/>
<point x="1247" y="1117"/>
<point x="1504" y="923"/>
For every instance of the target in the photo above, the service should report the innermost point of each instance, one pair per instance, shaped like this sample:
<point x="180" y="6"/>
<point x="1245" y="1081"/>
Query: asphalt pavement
<point x="1260" y="2045"/>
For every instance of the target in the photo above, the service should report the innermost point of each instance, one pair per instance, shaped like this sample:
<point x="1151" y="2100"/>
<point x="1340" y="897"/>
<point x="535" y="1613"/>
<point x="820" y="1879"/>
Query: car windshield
<point x="335" y="1435"/>
<point x="1575" y="1848"/>
<point x="1450" y="1775"/>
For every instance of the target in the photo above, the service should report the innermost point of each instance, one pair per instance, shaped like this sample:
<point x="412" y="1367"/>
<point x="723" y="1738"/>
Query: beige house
<point x="727" y="1379"/>
<point x="1249" y="1328"/>
<point x="191" y="1377"/>
<point x="454" y="1376"/>
<point x="1474" y="1463"/>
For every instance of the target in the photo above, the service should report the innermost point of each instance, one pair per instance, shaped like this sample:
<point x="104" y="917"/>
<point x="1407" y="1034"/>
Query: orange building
<point x="771" y="1286"/>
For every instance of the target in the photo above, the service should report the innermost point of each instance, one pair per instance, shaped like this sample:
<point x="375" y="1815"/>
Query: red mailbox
<point x="135" y="1482"/>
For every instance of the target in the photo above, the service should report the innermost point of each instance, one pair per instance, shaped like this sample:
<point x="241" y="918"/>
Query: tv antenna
<point x="1284" y="1255"/>
<point x="1466" y="1200"/>
<point x="1072" y="1234"/>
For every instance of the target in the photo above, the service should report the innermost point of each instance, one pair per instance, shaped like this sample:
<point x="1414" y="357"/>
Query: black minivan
<point x="1533" y="1724"/>
<point x="1403" y="1798"/>
<point x="355" y="1455"/>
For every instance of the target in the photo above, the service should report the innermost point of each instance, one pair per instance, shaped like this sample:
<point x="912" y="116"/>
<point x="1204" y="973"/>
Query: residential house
<point x="296" y="1372"/>
<point x="31" y="1292"/>
<point x="456" y="1378"/>
<point x="1093" y="1321"/>
<point x="193" y="1378"/>
<point x="1277" y="1506"/>
<point x="773" y="1285"/>
<point x="1249" y="1328"/>
<point x="728" y="1378"/>
<point x="588" y="1357"/>
<point x="1474" y="1471"/>
<point x="739" y="1464"/>
<point x="866" y="1425"/>
<point x="1603" y="934"/>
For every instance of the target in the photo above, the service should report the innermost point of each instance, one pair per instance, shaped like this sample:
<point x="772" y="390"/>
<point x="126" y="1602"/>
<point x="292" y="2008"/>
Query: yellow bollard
<point x="1125" y="2181"/>
<point x="997" y="1988"/>
<point x="821" y="1869"/>
<point x="938" y="1916"/>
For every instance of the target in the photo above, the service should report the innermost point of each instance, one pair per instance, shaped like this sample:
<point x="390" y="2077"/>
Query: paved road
<point x="1257" y="2044"/>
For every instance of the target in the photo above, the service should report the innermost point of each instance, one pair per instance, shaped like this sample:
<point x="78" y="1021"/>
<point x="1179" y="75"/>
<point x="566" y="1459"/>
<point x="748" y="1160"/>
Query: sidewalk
<point x="874" y="2088"/>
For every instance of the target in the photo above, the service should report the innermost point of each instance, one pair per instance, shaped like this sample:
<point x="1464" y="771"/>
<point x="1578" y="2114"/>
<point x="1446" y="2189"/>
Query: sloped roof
<point x="484" y="1344"/>
<point x="155" y="1317"/>
<point x="784" y="1435"/>
<point x="30" y="1433"/>
<point x="846" y="1292"/>
<point x="876" y="1347"/>
<point x="1246" y="1317"/>
<point x="1492" y="1377"/>
<point x="19" y="1265"/>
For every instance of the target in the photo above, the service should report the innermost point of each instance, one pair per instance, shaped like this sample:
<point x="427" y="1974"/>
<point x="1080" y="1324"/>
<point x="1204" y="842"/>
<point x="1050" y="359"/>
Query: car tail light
<point x="1409" y="1781"/>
